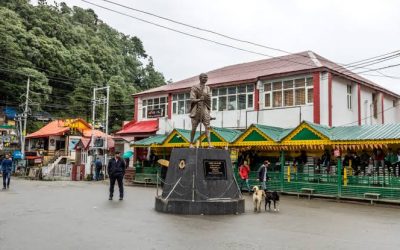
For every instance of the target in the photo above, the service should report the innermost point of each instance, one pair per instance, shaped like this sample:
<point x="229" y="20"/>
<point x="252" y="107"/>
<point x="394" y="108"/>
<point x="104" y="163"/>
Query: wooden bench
<point x="306" y="191"/>
<point x="376" y="195"/>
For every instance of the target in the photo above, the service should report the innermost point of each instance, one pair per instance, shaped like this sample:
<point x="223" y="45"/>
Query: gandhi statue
<point x="200" y="97"/>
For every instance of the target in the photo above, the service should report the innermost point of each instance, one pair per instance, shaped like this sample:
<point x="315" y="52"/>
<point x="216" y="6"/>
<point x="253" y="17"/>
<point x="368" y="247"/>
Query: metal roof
<point x="251" y="72"/>
<point x="340" y="133"/>
<point x="228" y="135"/>
<point x="186" y="133"/>
<point x="366" y="132"/>
<point x="157" y="139"/>
<point x="275" y="133"/>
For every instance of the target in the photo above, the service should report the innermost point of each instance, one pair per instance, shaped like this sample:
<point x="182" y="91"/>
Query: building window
<point x="288" y="93"/>
<point x="375" y="105"/>
<point x="349" y="100"/>
<point x="233" y="98"/>
<point x="154" y="103"/>
<point x="181" y="103"/>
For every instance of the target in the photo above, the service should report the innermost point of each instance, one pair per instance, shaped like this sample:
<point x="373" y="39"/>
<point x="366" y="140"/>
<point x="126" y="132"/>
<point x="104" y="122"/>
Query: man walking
<point x="98" y="166"/>
<point x="116" y="171"/>
<point x="263" y="175"/>
<point x="6" y="168"/>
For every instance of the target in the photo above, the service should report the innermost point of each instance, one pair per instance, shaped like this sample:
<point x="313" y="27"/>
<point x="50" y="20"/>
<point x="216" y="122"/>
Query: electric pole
<point x="25" y="117"/>
<point x="96" y="101"/>
<point x="106" y="129"/>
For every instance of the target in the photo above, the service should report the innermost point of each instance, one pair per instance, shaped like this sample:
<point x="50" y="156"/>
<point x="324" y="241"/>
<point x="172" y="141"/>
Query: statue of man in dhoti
<point x="200" y="97"/>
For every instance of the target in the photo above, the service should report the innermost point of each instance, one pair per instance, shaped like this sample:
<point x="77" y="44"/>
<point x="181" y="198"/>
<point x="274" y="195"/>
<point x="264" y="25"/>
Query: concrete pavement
<point x="77" y="215"/>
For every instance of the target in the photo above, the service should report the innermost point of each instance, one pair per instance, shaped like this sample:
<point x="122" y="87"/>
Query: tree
<point x="69" y="51"/>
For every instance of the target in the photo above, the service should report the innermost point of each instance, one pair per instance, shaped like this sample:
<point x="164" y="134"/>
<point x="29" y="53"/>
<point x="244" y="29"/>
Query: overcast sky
<point x="342" y="31"/>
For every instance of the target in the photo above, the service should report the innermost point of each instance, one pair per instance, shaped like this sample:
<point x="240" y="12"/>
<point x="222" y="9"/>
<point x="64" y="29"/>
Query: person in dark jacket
<point x="98" y="166"/>
<point x="6" y="168"/>
<point x="263" y="174"/>
<point x="116" y="171"/>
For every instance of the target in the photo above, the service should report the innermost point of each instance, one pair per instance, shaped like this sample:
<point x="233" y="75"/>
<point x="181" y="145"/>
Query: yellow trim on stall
<point x="239" y="141"/>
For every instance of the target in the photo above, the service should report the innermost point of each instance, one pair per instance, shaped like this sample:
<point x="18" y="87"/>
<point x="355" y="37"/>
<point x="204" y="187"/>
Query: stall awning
<point x="152" y="140"/>
<point x="141" y="127"/>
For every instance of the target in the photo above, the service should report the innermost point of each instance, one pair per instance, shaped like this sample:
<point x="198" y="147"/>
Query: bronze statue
<point x="200" y="97"/>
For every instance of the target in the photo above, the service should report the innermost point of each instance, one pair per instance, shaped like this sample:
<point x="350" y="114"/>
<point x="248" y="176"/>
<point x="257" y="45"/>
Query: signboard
<point x="155" y="113"/>
<point x="214" y="169"/>
<point x="234" y="155"/>
<point x="37" y="160"/>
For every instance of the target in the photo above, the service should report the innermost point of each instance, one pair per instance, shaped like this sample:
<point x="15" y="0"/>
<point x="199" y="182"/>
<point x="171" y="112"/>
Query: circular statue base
<point x="213" y="207"/>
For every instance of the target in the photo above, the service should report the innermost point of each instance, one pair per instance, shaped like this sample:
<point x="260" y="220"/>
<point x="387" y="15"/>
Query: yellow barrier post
<point x="350" y="169"/>
<point x="345" y="176"/>
<point x="288" y="174"/>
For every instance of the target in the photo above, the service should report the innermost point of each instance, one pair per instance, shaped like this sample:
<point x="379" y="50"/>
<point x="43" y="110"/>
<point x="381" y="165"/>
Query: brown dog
<point x="258" y="196"/>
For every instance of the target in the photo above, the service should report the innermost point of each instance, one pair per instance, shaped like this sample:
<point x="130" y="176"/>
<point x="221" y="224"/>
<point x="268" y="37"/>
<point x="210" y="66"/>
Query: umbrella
<point x="163" y="162"/>
<point x="127" y="154"/>
<point x="17" y="155"/>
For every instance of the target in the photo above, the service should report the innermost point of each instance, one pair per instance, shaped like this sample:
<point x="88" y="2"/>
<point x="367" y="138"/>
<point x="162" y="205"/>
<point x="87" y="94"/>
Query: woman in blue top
<point x="6" y="168"/>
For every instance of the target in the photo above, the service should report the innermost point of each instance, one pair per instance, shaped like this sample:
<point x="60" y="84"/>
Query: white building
<point x="280" y="91"/>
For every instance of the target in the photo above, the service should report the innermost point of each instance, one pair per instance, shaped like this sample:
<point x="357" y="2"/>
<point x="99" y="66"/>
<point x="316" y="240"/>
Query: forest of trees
<point x="67" y="51"/>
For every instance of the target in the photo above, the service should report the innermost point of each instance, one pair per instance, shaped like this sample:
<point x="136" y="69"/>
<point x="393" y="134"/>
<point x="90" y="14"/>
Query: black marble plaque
<point x="214" y="169"/>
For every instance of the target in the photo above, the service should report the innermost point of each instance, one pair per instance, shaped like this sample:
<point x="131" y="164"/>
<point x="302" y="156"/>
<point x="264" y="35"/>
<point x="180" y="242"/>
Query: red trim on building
<point x="330" y="99"/>
<point x="359" y="103"/>
<point x="383" y="108"/>
<point x="136" y="113"/>
<point x="138" y="128"/>
<point x="317" y="106"/>
<point x="169" y="110"/>
<point x="256" y="98"/>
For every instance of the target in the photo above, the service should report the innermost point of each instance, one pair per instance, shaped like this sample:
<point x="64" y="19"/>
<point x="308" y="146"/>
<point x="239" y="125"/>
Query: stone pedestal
<point x="200" y="181"/>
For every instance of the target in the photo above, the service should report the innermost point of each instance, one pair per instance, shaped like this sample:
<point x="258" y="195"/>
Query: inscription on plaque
<point x="214" y="169"/>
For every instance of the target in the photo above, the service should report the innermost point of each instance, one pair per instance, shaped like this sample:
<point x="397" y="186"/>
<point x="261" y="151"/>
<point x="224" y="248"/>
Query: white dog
<point x="258" y="196"/>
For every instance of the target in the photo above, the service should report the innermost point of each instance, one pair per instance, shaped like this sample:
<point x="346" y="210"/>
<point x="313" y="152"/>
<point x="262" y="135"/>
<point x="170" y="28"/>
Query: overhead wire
<point x="67" y="78"/>
<point x="211" y="31"/>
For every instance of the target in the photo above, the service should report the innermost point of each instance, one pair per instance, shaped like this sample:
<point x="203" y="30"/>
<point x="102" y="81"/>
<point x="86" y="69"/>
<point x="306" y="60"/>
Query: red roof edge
<point x="140" y="127"/>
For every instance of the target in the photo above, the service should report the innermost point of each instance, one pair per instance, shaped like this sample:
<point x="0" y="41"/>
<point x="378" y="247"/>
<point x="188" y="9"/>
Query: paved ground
<point x="77" y="215"/>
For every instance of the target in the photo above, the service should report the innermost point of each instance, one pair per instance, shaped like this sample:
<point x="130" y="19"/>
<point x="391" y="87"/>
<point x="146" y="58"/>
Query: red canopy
<point x="141" y="127"/>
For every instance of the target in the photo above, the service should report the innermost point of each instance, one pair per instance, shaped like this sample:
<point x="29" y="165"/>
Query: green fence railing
<point x="382" y="187"/>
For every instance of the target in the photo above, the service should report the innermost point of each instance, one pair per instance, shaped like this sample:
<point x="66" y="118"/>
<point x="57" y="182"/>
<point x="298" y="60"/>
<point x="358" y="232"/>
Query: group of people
<point x="244" y="171"/>
<point x="366" y="163"/>
<point x="6" y="169"/>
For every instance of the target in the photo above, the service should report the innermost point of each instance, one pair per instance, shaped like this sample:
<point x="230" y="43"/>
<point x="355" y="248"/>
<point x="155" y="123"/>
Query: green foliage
<point x="67" y="52"/>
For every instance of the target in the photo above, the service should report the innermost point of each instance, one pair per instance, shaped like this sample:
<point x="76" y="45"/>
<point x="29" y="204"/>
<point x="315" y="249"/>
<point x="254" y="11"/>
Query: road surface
<point x="78" y="215"/>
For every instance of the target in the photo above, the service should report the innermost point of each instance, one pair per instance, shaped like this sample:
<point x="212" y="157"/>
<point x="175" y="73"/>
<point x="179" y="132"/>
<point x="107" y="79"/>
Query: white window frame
<point x="248" y="91"/>
<point x="349" y="91"/>
<point x="145" y="105"/>
<point x="176" y="100"/>
<point x="307" y="87"/>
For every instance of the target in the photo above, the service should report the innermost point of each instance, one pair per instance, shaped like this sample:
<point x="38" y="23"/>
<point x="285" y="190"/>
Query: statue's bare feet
<point x="191" y="145"/>
<point x="210" y="146"/>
